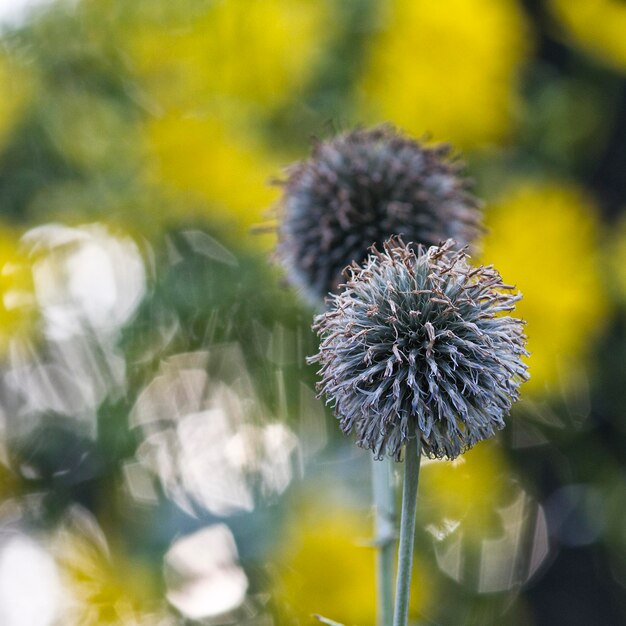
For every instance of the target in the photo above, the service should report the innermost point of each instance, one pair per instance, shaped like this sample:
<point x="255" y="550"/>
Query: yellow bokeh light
<point x="544" y="239"/>
<point x="598" y="26"/>
<point x="256" y="51"/>
<point x="102" y="588"/>
<point x="466" y="491"/>
<point x="328" y="568"/>
<point x="219" y="165"/>
<point x="17" y="302"/>
<point x="615" y="258"/>
<point x="448" y="68"/>
<point x="227" y="66"/>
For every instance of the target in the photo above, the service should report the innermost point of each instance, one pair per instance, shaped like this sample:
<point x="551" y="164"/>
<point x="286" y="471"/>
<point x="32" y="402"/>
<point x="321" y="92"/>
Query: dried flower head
<point x="416" y="345"/>
<point x="361" y="188"/>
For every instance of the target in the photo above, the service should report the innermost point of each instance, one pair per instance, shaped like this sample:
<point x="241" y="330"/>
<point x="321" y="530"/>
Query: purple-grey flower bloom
<point x="359" y="189"/>
<point x="418" y="344"/>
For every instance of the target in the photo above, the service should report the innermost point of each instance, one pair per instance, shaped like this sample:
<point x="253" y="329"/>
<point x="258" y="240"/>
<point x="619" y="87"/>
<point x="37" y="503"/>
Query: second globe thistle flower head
<point x="360" y="188"/>
<point x="418" y="344"/>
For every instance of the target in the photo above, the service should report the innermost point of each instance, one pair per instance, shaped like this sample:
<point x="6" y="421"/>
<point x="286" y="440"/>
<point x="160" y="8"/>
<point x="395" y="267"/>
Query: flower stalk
<point x="384" y="537"/>
<point x="407" y="531"/>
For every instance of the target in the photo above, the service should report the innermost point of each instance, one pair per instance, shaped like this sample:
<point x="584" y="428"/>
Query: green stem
<point x="407" y="531"/>
<point x="384" y="537"/>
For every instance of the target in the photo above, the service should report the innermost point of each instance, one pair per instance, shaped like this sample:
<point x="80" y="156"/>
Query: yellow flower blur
<point x="543" y="238"/>
<point x="16" y="289"/>
<point x="102" y="588"/>
<point x="598" y="26"/>
<point x="447" y="68"/>
<point x="483" y="524"/>
<point x="256" y="51"/>
<point x="466" y="491"/>
<point x="616" y="260"/>
<point x="328" y="569"/>
<point x="219" y="164"/>
<point x="227" y="66"/>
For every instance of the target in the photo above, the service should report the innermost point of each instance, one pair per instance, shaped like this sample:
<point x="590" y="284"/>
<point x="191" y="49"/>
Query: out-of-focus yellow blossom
<point x="17" y="85"/>
<point x="467" y="490"/>
<point x="223" y="166"/>
<point x="207" y="73"/>
<point x="256" y="51"/>
<point x="227" y="64"/>
<point x="448" y="68"/>
<point x="328" y="569"/>
<point x="17" y="302"/>
<point x="543" y="238"/>
<point x="616" y="259"/>
<point x="598" y="26"/>
<point x="101" y="588"/>
<point x="488" y="533"/>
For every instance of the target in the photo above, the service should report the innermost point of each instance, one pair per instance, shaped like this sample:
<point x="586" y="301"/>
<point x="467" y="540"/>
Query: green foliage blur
<point x="163" y="458"/>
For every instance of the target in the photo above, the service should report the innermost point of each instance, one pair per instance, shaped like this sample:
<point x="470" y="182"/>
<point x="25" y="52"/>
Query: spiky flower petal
<point x="360" y="188"/>
<point x="417" y="345"/>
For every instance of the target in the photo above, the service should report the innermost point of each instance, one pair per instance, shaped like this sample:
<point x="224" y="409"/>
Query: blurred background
<point x="163" y="458"/>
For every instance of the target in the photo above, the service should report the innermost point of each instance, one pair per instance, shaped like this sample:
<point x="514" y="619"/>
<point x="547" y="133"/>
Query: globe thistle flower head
<point x="418" y="344"/>
<point x="363" y="187"/>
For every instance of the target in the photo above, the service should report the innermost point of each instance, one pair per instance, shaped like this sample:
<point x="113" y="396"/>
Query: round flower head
<point x="417" y="345"/>
<point x="361" y="188"/>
